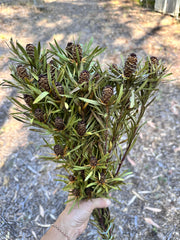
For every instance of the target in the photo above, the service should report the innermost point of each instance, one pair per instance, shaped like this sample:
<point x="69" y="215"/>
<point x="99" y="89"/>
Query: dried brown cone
<point x="71" y="178"/>
<point x="88" y="192"/>
<point x="28" y="100"/>
<point x="60" y="90"/>
<point x="81" y="128"/>
<point x="114" y="69"/>
<point x="114" y="66"/>
<point x="107" y="94"/>
<point x="69" y="49"/>
<point x="84" y="77"/>
<point x="96" y="77"/>
<point x="30" y="50"/>
<point x="76" y="192"/>
<point x="82" y="174"/>
<point x="39" y="114"/>
<point x="93" y="161"/>
<point x="130" y="65"/>
<point x="43" y="83"/>
<point x="103" y="178"/>
<point x="153" y="63"/>
<point x="59" y="151"/>
<point x="21" y="72"/>
<point x="77" y="52"/>
<point x="59" y="123"/>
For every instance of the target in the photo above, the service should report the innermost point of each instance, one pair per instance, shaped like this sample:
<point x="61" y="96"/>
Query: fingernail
<point x="108" y="202"/>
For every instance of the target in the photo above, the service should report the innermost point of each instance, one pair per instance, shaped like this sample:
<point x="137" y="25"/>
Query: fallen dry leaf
<point x="41" y="211"/>
<point x="43" y="225"/>
<point x="131" y="201"/>
<point x="153" y="209"/>
<point x="137" y="195"/>
<point x="151" y="124"/>
<point x="131" y="161"/>
<point x="52" y="216"/>
<point x="174" y="108"/>
<point x="34" y="234"/>
<point x="151" y="222"/>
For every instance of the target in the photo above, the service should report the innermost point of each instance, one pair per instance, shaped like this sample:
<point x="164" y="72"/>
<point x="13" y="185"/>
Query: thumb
<point x="100" y="203"/>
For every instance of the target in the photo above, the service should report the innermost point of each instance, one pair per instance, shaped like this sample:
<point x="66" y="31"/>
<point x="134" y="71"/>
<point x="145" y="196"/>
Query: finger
<point x="100" y="203"/>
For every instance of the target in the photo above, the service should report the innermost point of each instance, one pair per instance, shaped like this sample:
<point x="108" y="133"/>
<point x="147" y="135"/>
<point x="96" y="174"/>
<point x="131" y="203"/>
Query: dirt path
<point x="29" y="197"/>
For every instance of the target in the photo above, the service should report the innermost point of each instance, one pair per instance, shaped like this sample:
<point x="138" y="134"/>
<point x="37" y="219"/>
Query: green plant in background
<point x="93" y="114"/>
<point x="147" y="3"/>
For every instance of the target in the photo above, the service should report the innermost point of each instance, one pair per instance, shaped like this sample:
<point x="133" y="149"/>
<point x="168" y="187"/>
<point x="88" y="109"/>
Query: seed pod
<point x="28" y="100"/>
<point x="69" y="49"/>
<point x="82" y="174"/>
<point x="153" y="72"/>
<point x="114" y="69"/>
<point x="43" y="83"/>
<point x="21" y="72"/>
<point x="71" y="178"/>
<point x="84" y="77"/>
<point x="39" y="114"/>
<point x="107" y="94"/>
<point x="76" y="192"/>
<point x="96" y="77"/>
<point x="93" y="161"/>
<point x="154" y="62"/>
<point x="30" y="50"/>
<point x="58" y="150"/>
<point x="59" y="123"/>
<point x="103" y="178"/>
<point x="81" y="128"/>
<point x="77" y="52"/>
<point x="88" y="192"/>
<point x="60" y="89"/>
<point x="130" y="65"/>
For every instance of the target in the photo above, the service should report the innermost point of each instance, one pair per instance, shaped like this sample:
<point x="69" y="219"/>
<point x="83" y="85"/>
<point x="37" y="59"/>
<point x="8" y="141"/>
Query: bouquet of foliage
<point x="93" y="114"/>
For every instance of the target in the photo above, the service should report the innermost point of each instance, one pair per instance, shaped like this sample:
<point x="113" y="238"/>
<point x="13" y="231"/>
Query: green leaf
<point x="34" y="76"/>
<point x="120" y="94"/>
<point x="22" y="49"/>
<point x="66" y="105"/>
<point x="93" y="102"/>
<point x="77" y="168"/>
<point x="62" y="176"/>
<point x="19" y="119"/>
<point x="142" y="86"/>
<point x="74" y="149"/>
<point x="117" y="179"/>
<point x="99" y="190"/>
<point x="88" y="176"/>
<point x="132" y="99"/>
<point x="40" y="97"/>
<point x="18" y="103"/>
<point x="73" y="205"/>
<point x="34" y="89"/>
<point x="91" y="184"/>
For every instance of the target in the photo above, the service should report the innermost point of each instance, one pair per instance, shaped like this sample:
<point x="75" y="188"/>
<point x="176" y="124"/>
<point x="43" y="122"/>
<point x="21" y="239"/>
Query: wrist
<point x="64" y="223"/>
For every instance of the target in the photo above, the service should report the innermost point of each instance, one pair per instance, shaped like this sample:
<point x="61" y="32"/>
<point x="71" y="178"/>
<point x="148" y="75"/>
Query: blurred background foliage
<point x="147" y="3"/>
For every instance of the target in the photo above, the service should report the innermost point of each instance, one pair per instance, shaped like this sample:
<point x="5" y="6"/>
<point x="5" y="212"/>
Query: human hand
<point x="74" y="223"/>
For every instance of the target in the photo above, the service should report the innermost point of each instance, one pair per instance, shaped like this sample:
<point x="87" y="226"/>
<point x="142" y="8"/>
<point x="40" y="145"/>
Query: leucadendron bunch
<point x="93" y="114"/>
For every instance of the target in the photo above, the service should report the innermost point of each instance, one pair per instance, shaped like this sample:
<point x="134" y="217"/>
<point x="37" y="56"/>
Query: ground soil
<point x="30" y="199"/>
